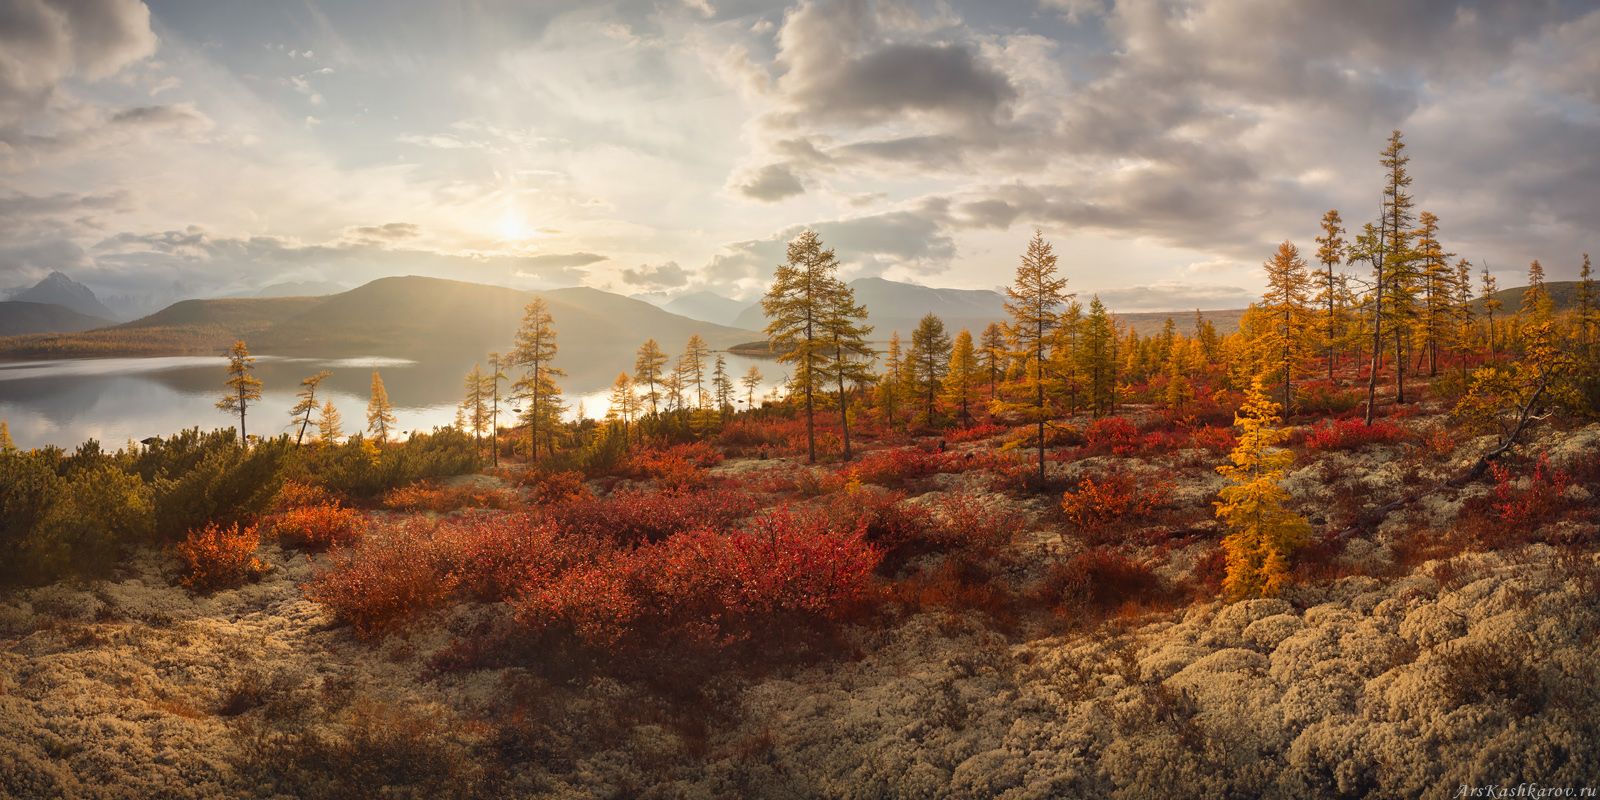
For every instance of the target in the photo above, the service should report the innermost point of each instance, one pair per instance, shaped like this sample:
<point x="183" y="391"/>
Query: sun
<point x="514" y="226"/>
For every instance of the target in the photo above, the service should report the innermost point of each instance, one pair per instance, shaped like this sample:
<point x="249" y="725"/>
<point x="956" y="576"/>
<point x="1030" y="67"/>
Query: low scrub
<point x="1100" y="504"/>
<point x="319" y="527"/>
<point x="1350" y="434"/>
<point x="220" y="557"/>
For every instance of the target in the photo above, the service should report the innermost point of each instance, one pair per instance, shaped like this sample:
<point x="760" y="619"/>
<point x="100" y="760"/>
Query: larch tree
<point x="890" y="385"/>
<point x="751" y="382"/>
<point x="801" y="291"/>
<point x="647" y="372"/>
<point x="1262" y="531"/>
<point x="992" y="357"/>
<point x="1438" y="289"/>
<point x="843" y="329"/>
<point x="1491" y="304"/>
<point x="329" y="430"/>
<point x="1033" y="301"/>
<point x="1096" y="359"/>
<point x="534" y="349"/>
<point x="692" y="369"/>
<point x="6" y="443"/>
<point x="497" y="373"/>
<point x="1461" y="313"/>
<point x="1537" y="305"/>
<point x="964" y="377"/>
<point x="1285" y="342"/>
<point x="929" y="362"/>
<point x="1401" y="276"/>
<point x="475" y="405"/>
<point x="1587" y="310"/>
<point x="306" y="404"/>
<point x="244" y="388"/>
<point x="624" y="403"/>
<point x="380" y="412"/>
<point x="722" y="388"/>
<point x="1331" y="251"/>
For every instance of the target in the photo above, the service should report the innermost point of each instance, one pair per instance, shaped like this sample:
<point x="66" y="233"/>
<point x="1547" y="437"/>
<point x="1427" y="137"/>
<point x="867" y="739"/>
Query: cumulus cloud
<point x="652" y="277"/>
<point x="45" y="42"/>
<point x="910" y="240"/>
<point x="770" y="183"/>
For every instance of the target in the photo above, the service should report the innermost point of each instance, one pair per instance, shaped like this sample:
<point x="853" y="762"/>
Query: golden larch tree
<point x="1262" y="531"/>
<point x="244" y="388"/>
<point x="380" y="412"/>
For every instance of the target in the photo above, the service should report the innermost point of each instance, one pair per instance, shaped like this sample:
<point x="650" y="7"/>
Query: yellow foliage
<point x="1262" y="531"/>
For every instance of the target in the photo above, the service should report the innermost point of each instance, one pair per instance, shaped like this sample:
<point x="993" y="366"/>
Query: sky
<point x="183" y="148"/>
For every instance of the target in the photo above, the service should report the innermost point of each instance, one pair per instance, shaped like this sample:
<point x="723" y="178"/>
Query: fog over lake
<point x="114" y="400"/>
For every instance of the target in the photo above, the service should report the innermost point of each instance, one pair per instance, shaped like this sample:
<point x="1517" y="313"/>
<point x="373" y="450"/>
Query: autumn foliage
<point x="1349" y="434"/>
<point x="220" y="557"/>
<point x="1101" y="503"/>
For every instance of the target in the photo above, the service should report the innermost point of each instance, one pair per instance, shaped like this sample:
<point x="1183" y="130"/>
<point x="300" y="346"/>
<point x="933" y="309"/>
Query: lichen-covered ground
<point x="1472" y="668"/>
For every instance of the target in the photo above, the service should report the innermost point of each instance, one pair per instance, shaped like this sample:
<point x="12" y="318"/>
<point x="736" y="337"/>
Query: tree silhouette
<point x="243" y="387"/>
<point x="306" y="403"/>
<point x="1033" y="302"/>
<point x="380" y="412"/>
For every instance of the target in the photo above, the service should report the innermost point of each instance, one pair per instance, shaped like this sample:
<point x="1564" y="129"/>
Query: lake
<point x="115" y="400"/>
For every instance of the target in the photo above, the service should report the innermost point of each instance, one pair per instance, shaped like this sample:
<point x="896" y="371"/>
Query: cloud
<point x="46" y="42"/>
<point x="656" y="276"/>
<point x="770" y="183"/>
<point x="908" y="240"/>
<point x="1170" y="295"/>
<point x="388" y="232"/>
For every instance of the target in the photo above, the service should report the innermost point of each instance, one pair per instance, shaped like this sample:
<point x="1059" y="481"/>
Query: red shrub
<point x="387" y="579"/>
<point x="1099" y="504"/>
<point x="495" y="556"/>
<point x="319" y="527"/>
<point x="705" y="589"/>
<point x="1214" y="438"/>
<point x="217" y="557"/>
<point x="1345" y="434"/>
<point x="894" y="467"/>
<point x="631" y="516"/>
<point x="427" y="496"/>
<point x="976" y="521"/>
<point x="1323" y="398"/>
<point x="881" y="516"/>
<point x="1115" y="435"/>
<point x="1541" y="500"/>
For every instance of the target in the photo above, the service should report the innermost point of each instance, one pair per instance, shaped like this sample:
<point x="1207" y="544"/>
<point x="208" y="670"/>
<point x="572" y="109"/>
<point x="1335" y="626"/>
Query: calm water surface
<point x="116" y="400"/>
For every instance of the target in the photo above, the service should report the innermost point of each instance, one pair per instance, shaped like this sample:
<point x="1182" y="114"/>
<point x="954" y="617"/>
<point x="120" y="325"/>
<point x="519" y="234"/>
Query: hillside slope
<point x="23" y="317"/>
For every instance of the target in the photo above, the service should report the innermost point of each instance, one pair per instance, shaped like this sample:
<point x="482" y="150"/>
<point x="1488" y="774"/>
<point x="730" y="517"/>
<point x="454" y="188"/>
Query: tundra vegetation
<point x="1348" y="549"/>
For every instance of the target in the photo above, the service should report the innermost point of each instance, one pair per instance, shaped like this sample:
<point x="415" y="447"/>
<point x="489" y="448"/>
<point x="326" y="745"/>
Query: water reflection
<point x="115" y="400"/>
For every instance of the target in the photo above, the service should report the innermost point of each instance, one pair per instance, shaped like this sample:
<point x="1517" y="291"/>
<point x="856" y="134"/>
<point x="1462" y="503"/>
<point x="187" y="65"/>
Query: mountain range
<point x="60" y="290"/>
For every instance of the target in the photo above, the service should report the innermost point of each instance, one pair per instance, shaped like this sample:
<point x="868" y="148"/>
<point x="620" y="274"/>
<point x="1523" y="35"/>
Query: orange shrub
<point x="294" y="494"/>
<point x="218" y="557"/>
<point x="319" y="527"/>
<point x="1099" y="504"/>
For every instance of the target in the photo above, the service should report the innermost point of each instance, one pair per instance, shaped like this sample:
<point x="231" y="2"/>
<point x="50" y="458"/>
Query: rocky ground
<point x="1382" y="679"/>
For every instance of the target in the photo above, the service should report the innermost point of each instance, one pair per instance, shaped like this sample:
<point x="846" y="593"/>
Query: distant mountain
<point x="21" y="317"/>
<point x="411" y="317"/>
<point x="301" y="289"/>
<point x="1563" y="296"/>
<point x="58" y="289"/>
<point x="896" y="306"/>
<point x="706" y="306"/>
